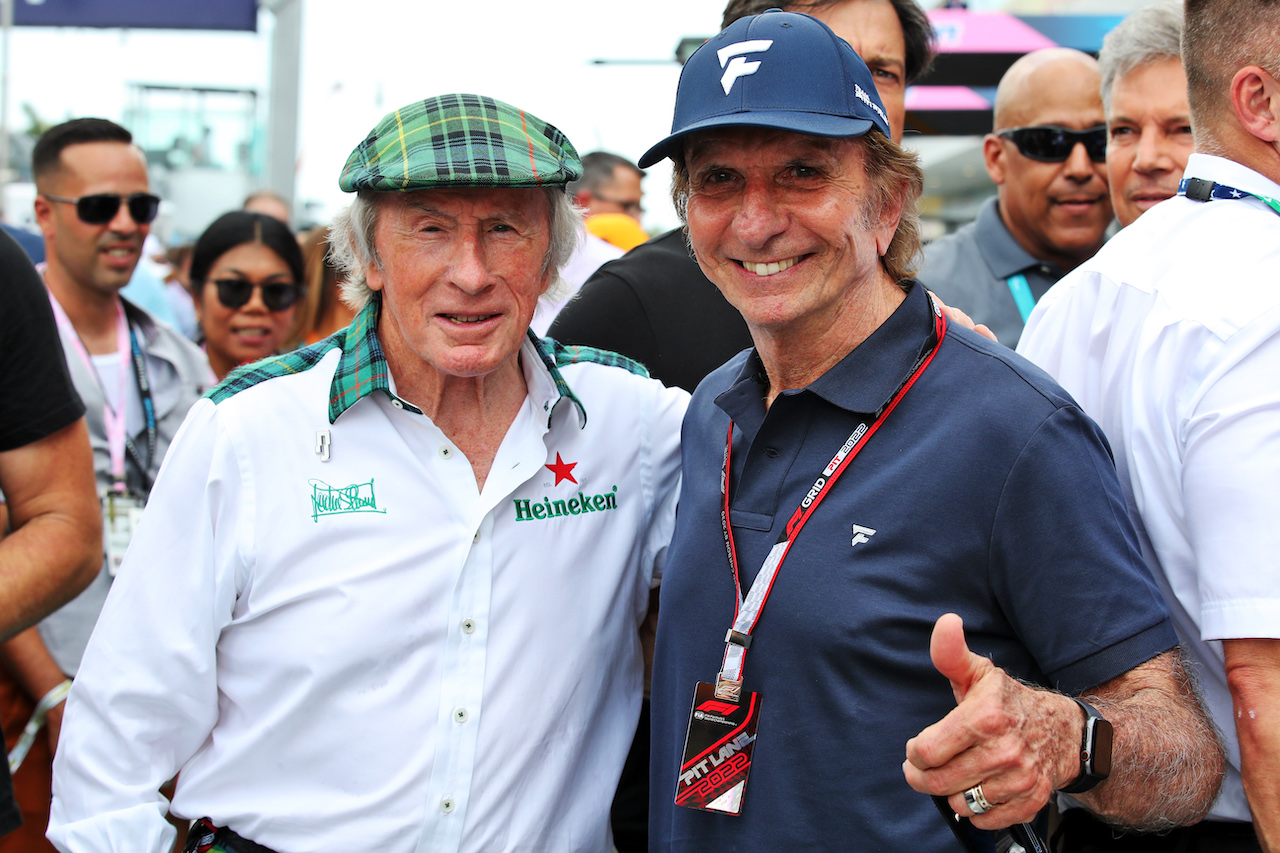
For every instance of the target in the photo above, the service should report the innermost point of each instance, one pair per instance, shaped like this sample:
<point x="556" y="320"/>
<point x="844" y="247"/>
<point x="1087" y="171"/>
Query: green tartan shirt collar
<point x="362" y="368"/>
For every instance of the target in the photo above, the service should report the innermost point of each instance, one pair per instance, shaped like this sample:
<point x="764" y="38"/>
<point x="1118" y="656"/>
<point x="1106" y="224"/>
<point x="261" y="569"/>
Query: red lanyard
<point x="747" y="610"/>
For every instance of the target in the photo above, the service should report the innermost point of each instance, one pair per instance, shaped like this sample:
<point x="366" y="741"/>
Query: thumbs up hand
<point x="951" y="656"/>
<point x="1019" y="743"/>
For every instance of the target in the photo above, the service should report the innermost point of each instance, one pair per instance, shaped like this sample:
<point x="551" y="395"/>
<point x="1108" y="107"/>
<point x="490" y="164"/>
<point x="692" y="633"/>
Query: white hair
<point x="352" y="249"/>
<point x="1148" y="35"/>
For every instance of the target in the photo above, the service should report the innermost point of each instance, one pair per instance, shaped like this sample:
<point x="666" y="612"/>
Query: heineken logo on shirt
<point x="531" y="509"/>
<point x="563" y="470"/>
<point x="528" y="509"/>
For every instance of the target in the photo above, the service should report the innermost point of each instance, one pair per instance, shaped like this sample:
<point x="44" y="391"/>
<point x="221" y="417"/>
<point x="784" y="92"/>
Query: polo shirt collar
<point x="362" y="369"/>
<point x="1002" y="252"/>
<point x="863" y="381"/>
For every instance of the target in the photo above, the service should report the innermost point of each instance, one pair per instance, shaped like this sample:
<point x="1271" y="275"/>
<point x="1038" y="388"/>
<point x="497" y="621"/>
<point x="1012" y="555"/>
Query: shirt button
<point x="446" y="805"/>
<point x="446" y="451"/>
<point x="397" y="403"/>
<point x="771" y="452"/>
<point x="460" y="715"/>
<point x="468" y="626"/>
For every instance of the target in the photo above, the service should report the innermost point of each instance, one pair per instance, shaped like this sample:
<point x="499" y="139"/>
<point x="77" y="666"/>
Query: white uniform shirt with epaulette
<point x="343" y="644"/>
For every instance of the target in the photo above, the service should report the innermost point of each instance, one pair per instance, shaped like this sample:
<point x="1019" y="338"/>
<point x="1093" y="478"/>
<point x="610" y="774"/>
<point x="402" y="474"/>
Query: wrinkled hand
<point x="1019" y="743"/>
<point x="955" y="315"/>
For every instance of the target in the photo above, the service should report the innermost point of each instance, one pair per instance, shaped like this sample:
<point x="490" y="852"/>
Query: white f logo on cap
<point x="739" y="67"/>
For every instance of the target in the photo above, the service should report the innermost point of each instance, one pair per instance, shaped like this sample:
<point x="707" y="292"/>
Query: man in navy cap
<point x="388" y="593"/>
<point x="870" y="492"/>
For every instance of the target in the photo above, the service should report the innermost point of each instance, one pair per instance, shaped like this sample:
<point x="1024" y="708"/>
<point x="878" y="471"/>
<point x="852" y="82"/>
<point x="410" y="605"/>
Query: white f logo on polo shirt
<point x="862" y="534"/>
<point x="740" y="67"/>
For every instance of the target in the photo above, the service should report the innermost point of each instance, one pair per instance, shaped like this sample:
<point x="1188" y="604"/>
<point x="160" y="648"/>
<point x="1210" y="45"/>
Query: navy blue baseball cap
<point x="778" y="69"/>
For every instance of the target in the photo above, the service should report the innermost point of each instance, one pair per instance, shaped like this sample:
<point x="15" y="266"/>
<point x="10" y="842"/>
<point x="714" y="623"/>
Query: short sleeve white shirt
<point x="1170" y="339"/>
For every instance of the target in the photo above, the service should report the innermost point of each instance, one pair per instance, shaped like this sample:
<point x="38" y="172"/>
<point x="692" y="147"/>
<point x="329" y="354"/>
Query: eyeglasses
<point x="101" y="208"/>
<point x="635" y="207"/>
<point x="1052" y="144"/>
<point x="234" y="292"/>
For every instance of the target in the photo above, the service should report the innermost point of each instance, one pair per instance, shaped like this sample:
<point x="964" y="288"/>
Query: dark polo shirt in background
<point x="989" y="494"/>
<point x="971" y="267"/>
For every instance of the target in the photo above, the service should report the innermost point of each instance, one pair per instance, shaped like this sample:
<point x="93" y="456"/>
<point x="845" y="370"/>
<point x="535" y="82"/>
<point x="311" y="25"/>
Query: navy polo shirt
<point x="990" y="494"/>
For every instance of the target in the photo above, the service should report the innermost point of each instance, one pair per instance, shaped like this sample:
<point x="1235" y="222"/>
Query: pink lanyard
<point x="747" y="609"/>
<point x="116" y="422"/>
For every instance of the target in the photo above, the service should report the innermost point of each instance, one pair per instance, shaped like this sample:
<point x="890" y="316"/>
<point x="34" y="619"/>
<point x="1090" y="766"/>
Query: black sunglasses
<point x="234" y="292"/>
<point x="1052" y="144"/>
<point x="101" y="208"/>
<point x="628" y="206"/>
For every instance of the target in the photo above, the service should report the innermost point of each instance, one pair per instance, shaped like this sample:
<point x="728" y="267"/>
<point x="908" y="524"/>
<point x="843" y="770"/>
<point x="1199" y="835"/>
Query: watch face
<point x="1101" y="758"/>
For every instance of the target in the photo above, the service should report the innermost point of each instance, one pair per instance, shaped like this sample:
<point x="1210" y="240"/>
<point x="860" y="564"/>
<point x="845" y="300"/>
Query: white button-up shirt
<point x="343" y="644"/>
<point x="1170" y="339"/>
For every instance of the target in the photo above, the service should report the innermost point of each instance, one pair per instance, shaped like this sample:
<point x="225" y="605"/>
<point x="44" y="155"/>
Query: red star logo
<point x="563" y="470"/>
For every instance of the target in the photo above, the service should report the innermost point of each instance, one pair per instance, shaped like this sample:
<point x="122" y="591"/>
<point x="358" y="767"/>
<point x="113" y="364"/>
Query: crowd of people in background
<point x="1084" y="473"/>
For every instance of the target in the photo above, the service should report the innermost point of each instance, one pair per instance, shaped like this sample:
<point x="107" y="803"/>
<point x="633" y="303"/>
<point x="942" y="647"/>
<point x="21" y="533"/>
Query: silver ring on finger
<point x="976" y="801"/>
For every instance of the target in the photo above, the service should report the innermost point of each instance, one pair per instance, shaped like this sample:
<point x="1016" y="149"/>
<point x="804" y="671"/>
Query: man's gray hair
<point x="1148" y="35"/>
<point x="351" y="244"/>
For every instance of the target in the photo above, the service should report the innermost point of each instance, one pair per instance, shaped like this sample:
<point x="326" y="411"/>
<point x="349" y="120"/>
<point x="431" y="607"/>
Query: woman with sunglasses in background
<point x="246" y="271"/>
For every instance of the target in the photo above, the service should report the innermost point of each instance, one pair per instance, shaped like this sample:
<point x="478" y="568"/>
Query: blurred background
<point x="231" y="96"/>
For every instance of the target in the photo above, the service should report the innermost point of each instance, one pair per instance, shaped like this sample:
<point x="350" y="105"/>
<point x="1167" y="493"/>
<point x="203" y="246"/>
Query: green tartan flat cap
<point x="460" y="141"/>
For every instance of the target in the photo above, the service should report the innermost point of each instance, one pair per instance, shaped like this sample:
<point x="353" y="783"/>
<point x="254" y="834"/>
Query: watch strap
<point x="1095" y="750"/>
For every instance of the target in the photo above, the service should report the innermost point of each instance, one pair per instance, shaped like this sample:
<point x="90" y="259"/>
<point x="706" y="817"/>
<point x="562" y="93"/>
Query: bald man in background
<point x="1046" y="156"/>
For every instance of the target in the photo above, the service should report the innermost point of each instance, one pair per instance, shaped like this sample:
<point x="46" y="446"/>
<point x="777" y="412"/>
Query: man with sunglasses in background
<point x="137" y="378"/>
<point x="610" y="196"/>
<point x="1051" y="210"/>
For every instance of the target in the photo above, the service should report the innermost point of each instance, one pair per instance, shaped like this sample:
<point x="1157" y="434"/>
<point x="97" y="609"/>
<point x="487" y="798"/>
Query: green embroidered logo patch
<point x="330" y="500"/>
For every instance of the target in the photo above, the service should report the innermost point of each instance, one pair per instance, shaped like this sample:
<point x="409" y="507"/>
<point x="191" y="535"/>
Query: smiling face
<point x="234" y="336"/>
<point x="1149" y="137"/>
<point x="1058" y="212"/>
<point x="95" y="259"/>
<point x="460" y="274"/>
<point x="778" y="222"/>
<point x="872" y="28"/>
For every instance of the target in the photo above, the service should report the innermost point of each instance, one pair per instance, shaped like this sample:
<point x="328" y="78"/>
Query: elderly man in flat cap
<point x="389" y="593"/>
<point x="916" y="540"/>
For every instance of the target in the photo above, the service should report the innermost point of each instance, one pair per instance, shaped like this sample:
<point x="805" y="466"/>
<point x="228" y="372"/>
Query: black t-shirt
<point x="654" y="305"/>
<point x="36" y="395"/>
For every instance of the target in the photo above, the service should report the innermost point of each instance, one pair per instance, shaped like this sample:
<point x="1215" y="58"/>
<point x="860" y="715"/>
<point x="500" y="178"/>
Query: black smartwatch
<point x="1095" y="751"/>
